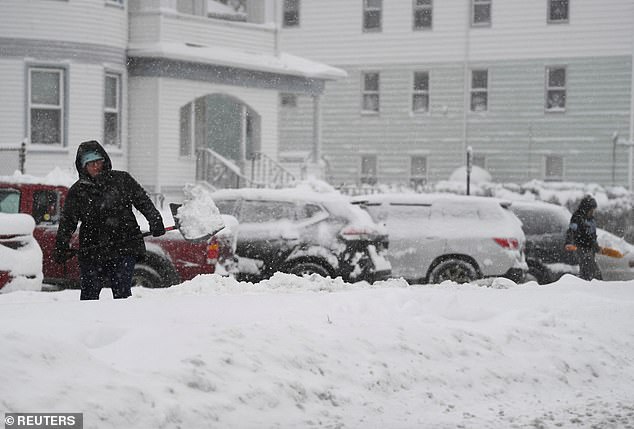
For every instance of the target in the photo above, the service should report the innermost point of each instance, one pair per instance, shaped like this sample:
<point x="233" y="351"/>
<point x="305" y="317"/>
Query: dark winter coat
<point x="582" y="231"/>
<point x="103" y="205"/>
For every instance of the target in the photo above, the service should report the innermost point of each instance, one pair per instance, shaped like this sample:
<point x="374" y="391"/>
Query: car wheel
<point x="308" y="268"/>
<point x="456" y="270"/>
<point x="146" y="276"/>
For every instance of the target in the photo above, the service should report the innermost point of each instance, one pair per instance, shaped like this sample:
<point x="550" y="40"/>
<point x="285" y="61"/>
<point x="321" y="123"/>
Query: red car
<point x="169" y="260"/>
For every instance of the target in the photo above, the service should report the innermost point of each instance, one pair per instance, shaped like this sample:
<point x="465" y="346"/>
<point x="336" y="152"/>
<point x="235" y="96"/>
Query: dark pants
<point x="588" y="268"/>
<point x="114" y="273"/>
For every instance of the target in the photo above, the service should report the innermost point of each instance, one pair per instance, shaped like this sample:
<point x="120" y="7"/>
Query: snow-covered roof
<point x="285" y="63"/>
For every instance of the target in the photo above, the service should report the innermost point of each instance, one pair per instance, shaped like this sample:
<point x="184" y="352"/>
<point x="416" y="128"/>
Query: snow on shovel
<point x="197" y="218"/>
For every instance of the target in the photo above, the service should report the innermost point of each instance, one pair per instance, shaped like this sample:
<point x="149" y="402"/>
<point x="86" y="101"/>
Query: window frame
<point x="549" y="13"/>
<point x="417" y="8"/>
<point x="425" y="92"/>
<point x="554" y="178"/>
<point x="285" y="11"/>
<point x="366" y="177"/>
<point x="117" y="109"/>
<point x="366" y="10"/>
<point x="416" y="180"/>
<point x="370" y="92"/>
<point x="474" y="5"/>
<point x="548" y="89"/>
<point x="478" y="90"/>
<point x="62" y="72"/>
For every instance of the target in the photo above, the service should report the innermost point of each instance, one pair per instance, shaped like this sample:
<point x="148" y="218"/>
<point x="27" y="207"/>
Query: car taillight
<point x="5" y="277"/>
<point x="508" y="243"/>
<point x="213" y="252"/>
<point x="358" y="233"/>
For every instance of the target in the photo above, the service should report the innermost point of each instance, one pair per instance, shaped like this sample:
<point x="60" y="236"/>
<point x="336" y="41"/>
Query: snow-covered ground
<point x="313" y="352"/>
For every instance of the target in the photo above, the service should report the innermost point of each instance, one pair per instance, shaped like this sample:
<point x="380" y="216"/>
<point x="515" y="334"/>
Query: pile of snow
<point x="20" y="254"/>
<point x="198" y="215"/>
<point x="478" y="175"/>
<point x="314" y="352"/>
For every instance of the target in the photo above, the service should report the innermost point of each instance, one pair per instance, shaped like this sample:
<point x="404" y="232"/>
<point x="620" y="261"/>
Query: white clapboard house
<point x="176" y="90"/>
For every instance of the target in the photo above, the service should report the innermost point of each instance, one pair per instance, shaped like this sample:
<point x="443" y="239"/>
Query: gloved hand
<point x="158" y="230"/>
<point x="570" y="247"/>
<point x="62" y="255"/>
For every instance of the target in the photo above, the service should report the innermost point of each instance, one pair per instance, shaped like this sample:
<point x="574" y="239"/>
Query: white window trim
<point x="116" y="3"/>
<point x="117" y="109"/>
<point x="556" y="21"/>
<point x="61" y="72"/>
<point x="472" y="90"/>
<point x="362" y="176"/>
<point x="365" y="92"/>
<point x="415" y="8"/>
<point x="475" y="3"/>
<point x="555" y="88"/>
<point x="545" y="170"/>
<point x="425" y="176"/>
<point x="421" y="92"/>
<point x="369" y="9"/>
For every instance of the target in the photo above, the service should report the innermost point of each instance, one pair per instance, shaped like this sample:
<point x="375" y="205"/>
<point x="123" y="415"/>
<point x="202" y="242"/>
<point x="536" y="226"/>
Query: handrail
<point x="268" y="171"/>
<point x="219" y="171"/>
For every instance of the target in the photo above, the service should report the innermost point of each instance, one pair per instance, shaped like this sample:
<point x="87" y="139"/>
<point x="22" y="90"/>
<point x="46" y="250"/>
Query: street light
<point x="616" y="141"/>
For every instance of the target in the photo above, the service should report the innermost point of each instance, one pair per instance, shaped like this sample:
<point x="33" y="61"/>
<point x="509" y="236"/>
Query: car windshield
<point x="9" y="201"/>
<point x="538" y="222"/>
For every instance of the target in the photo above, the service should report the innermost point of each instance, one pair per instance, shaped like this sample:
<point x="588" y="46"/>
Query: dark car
<point x="545" y="228"/>
<point x="302" y="233"/>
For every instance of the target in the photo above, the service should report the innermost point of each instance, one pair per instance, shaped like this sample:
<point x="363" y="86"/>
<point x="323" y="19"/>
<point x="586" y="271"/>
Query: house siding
<point x="515" y="134"/>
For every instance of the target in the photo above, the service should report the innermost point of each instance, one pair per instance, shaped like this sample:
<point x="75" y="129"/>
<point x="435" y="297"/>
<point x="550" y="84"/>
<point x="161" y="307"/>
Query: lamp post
<point x="469" y="163"/>
<point x="616" y="141"/>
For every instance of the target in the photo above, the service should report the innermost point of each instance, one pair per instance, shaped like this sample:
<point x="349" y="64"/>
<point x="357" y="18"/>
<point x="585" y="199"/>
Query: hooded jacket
<point x="103" y="205"/>
<point x="582" y="231"/>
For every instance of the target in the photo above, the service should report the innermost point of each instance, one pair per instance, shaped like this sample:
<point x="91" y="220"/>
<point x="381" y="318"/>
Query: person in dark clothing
<point x="102" y="200"/>
<point x="581" y="238"/>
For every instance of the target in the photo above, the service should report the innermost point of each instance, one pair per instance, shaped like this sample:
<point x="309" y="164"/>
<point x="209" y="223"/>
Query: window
<point x="557" y="11"/>
<point x="9" y="200"/>
<point x="423" y="14"/>
<point x="480" y="12"/>
<point x="479" y="90"/>
<point x="266" y="211"/>
<point x="288" y="100"/>
<point x="418" y="171"/>
<point x="372" y="10"/>
<point x="46" y="106"/>
<point x="368" y="170"/>
<point x="420" y="96"/>
<point x="46" y="206"/>
<point x="370" y="92"/>
<point x="555" y="89"/>
<point x="554" y="167"/>
<point x="112" y="111"/>
<point x="115" y="2"/>
<point x="291" y="13"/>
<point x="186" y="130"/>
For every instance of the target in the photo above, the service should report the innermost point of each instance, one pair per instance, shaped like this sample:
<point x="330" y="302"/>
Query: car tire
<point x="308" y="268"/>
<point x="456" y="270"/>
<point x="146" y="276"/>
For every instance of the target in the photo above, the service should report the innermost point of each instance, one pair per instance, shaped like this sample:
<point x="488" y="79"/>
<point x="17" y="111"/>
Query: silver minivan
<point x="438" y="237"/>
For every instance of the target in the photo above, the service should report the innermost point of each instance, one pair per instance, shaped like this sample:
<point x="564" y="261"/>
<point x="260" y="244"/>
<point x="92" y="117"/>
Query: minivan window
<point x="9" y="201"/>
<point x="538" y="222"/>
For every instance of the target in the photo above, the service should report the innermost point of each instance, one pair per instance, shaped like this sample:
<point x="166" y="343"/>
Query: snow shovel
<point x="197" y="236"/>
